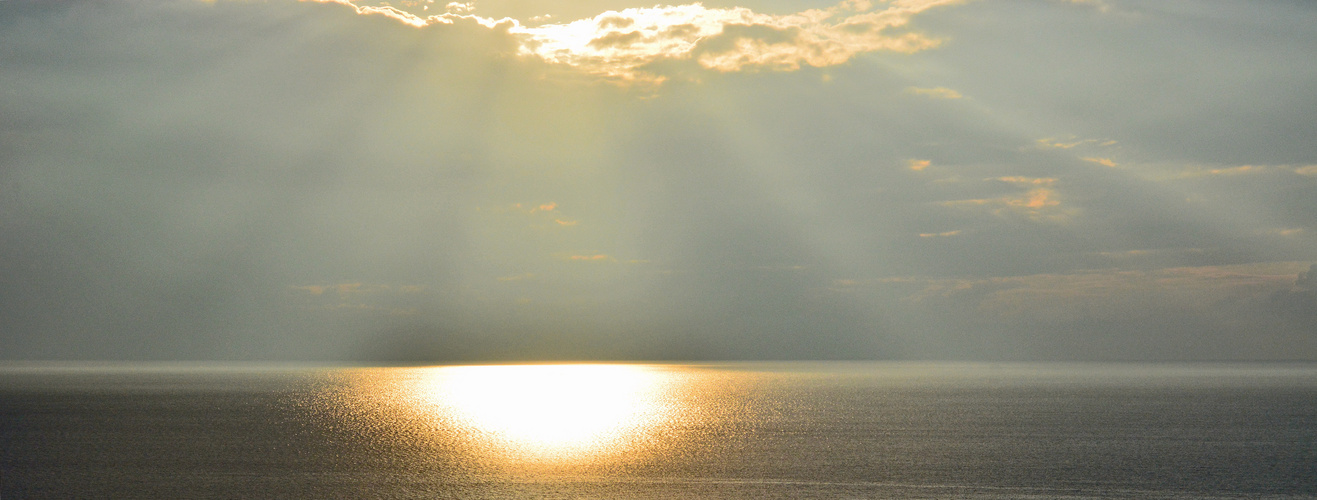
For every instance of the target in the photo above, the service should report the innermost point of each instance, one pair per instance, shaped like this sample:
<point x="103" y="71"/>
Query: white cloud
<point x="620" y="44"/>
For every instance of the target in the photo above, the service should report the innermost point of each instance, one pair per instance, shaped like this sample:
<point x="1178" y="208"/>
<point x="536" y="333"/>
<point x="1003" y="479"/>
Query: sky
<point x="498" y="180"/>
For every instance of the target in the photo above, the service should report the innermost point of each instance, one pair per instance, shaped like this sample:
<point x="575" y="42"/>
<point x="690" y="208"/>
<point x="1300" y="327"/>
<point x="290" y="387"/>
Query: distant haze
<point x="338" y="181"/>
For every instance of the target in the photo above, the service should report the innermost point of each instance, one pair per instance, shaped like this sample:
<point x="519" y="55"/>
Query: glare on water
<point x="541" y="412"/>
<point x="549" y="409"/>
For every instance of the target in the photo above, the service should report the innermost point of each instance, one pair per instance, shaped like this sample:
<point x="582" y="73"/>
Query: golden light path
<point x="549" y="411"/>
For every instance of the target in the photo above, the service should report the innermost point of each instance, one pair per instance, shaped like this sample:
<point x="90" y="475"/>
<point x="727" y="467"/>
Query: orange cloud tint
<point x="1038" y="203"/>
<point x="1036" y="198"/>
<point x="1106" y="162"/>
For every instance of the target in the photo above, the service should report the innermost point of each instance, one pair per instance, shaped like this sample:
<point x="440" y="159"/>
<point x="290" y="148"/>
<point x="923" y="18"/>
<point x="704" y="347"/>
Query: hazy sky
<point x="508" y="179"/>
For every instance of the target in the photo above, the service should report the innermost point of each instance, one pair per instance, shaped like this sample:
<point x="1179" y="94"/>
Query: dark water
<point x="833" y="430"/>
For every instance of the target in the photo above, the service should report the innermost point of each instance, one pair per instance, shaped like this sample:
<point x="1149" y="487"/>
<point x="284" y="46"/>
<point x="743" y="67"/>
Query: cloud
<point x="618" y="22"/>
<point x="615" y="39"/>
<point x="1099" y="5"/>
<point x="460" y="7"/>
<point x="1049" y="143"/>
<point x="1307" y="280"/>
<point x="389" y="12"/>
<point x="1026" y="181"/>
<point x="1113" y="293"/>
<point x="530" y="208"/>
<point x="1197" y="170"/>
<point x="935" y="92"/>
<point x="355" y="288"/>
<point x="939" y="235"/>
<point x="357" y="298"/>
<point x="625" y="45"/>
<point x="1084" y="149"/>
<point x="917" y="165"/>
<point x="1282" y="176"/>
<point x="1240" y="170"/>
<point x="1142" y="252"/>
<point x="1040" y="202"/>
<point x="457" y="13"/>
<point x="1298" y="305"/>
<point x="311" y="289"/>
<point x="1106" y="162"/>
<point x="1070" y="142"/>
<point x="1283" y="231"/>
<point x="595" y="257"/>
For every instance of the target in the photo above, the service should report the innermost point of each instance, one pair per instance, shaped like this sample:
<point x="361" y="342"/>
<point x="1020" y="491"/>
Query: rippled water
<point x="789" y="430"/>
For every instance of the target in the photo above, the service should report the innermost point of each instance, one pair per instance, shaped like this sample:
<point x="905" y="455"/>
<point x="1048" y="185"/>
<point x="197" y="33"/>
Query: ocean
<point x="628" y="431"/>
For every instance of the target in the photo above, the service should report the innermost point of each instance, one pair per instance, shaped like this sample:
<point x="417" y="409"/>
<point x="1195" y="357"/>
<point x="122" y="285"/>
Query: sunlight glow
<point x="551" y="410"/>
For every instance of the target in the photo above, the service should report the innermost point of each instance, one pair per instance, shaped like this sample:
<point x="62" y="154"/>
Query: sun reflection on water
<point x="548" y="411"/>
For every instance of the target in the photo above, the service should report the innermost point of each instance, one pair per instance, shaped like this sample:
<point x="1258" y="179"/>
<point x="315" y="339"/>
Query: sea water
<point x="742" y="430"/>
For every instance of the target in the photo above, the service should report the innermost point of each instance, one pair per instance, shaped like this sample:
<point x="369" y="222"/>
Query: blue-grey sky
<point x="509" y="179"/>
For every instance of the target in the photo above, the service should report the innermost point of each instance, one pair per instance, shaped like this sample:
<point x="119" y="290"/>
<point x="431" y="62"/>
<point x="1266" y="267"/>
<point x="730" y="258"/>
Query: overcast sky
<point x="772" y="179"/>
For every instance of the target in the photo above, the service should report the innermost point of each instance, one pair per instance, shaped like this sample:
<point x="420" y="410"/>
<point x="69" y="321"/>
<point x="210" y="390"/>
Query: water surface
<point x="784" y="430"/>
